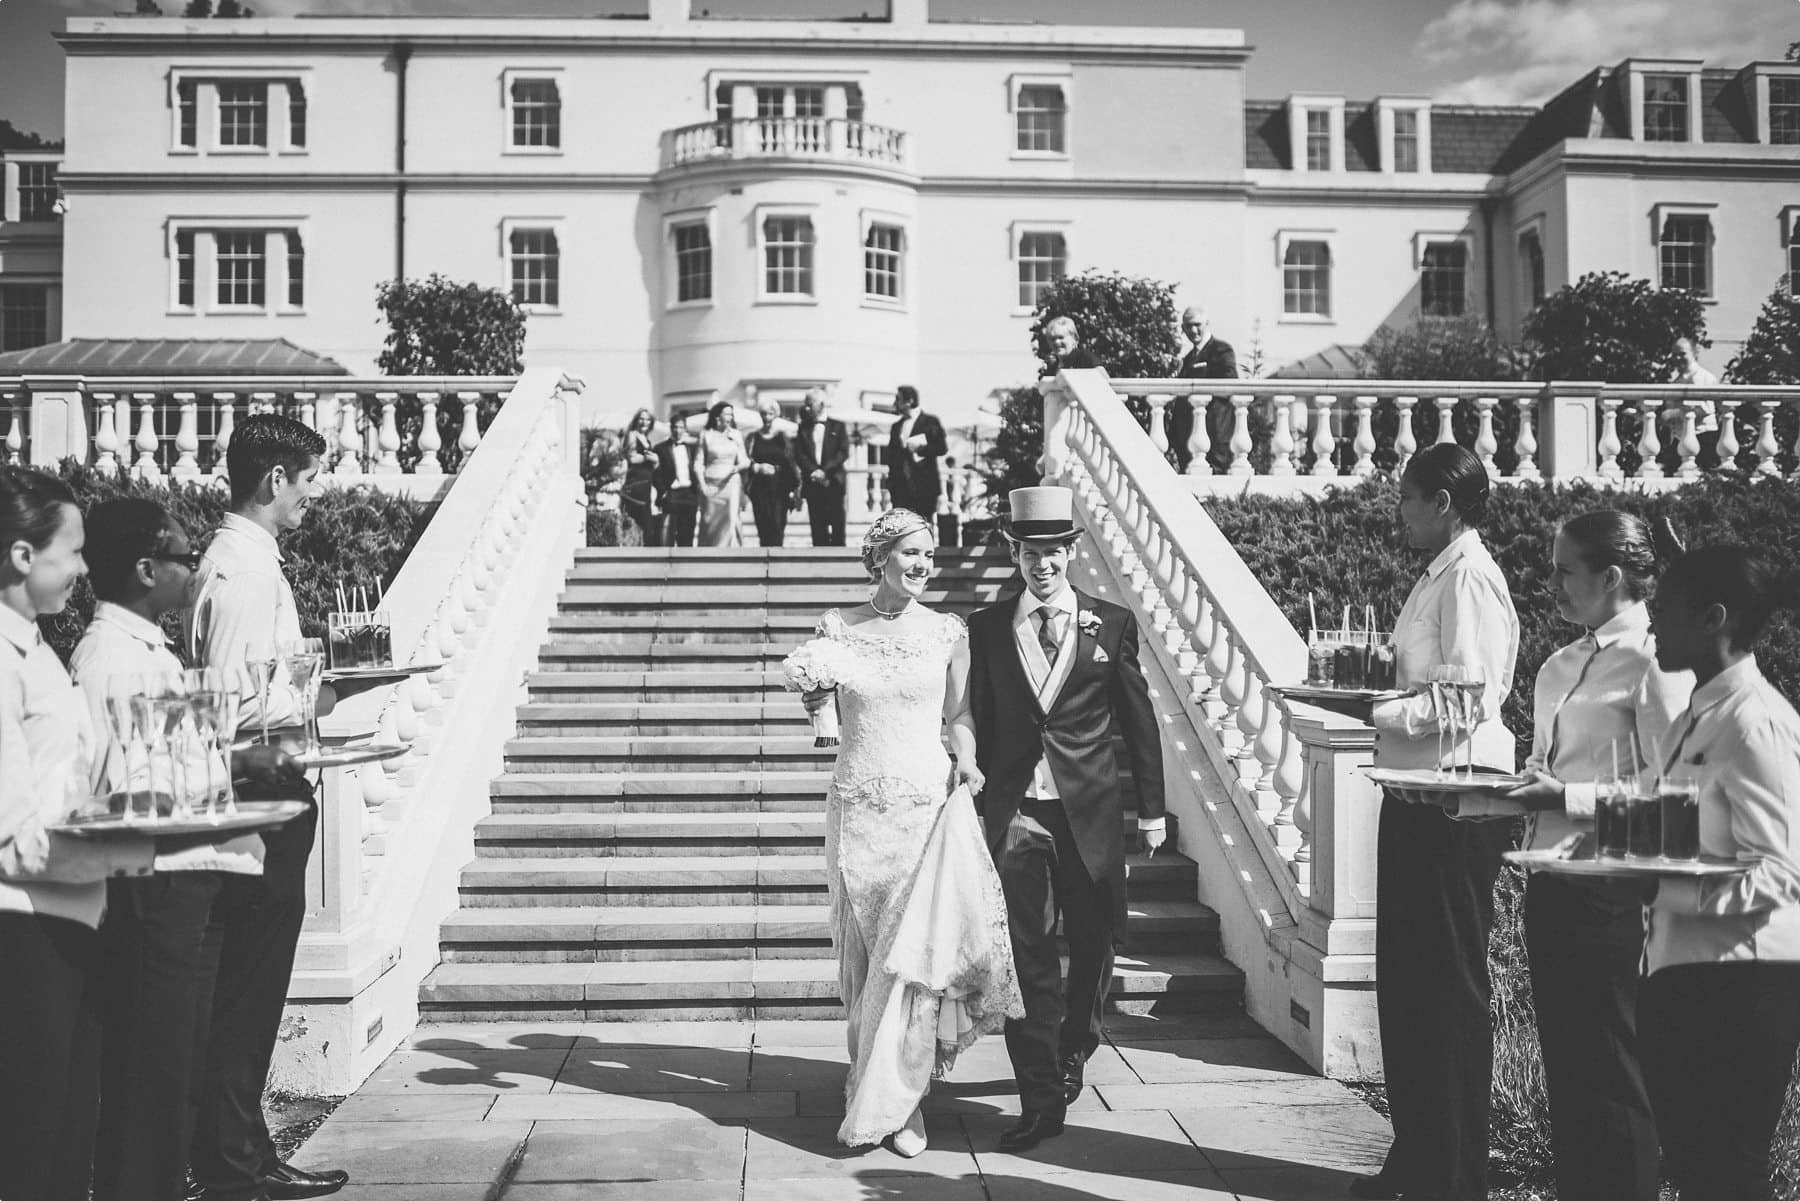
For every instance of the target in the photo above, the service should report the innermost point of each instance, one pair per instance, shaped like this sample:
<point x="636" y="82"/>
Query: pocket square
<point x="1100" y="655"/>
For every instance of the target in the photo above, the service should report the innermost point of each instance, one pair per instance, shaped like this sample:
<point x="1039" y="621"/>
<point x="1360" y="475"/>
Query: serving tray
<point x="1625" y="869"/>
<point x="248" y="815"/>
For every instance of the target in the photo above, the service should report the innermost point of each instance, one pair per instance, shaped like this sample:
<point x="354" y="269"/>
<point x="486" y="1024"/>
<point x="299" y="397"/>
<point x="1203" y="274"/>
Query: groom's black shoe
<point x="1073" y="1065"/>
<point x="1033" y="1128"/>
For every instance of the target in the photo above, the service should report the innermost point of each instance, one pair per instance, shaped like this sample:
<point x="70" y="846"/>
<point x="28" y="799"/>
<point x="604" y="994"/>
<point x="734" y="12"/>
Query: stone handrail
<point x="1326" y="429"/>
<point x="785" y="137"/>
<point x="474" y="598"/>
<point x="399" y="433"/>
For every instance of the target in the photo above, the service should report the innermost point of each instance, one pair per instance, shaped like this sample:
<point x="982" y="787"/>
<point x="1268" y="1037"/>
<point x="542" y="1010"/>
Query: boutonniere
<point x="1089" y="623"/>
<point x="1100" y="655"/>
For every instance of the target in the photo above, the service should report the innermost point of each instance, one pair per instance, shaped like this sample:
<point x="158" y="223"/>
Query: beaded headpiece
<point x="886" y="530"/>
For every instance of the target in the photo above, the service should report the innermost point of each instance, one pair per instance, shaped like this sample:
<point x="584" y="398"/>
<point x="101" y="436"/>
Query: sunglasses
<point x="189" y="559"/>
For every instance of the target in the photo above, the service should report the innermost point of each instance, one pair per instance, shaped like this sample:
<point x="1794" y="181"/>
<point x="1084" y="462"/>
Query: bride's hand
<point x="968" y="775"/>
<point x="816" y="699"/>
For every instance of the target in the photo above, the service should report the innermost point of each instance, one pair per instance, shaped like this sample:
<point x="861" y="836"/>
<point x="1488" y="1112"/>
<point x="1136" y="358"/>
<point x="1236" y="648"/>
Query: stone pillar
<point x="59" y="422"/>
<point x="1569" y="430"/>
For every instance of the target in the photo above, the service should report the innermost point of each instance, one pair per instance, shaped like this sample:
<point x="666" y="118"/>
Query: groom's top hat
<point x="1042" y="516"/>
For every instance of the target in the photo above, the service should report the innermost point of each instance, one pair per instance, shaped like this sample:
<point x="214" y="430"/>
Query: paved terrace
<point x="1203" y="1107"/>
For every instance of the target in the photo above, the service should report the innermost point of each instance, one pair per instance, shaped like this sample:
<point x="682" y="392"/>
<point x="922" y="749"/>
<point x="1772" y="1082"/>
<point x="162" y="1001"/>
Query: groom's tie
<point x="1047" y="637"/>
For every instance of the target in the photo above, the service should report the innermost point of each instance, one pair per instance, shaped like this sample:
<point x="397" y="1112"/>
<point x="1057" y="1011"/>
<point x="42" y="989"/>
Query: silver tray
<point x="250" y="815"/>
<point x="1625" y="869"/>
<point x="378" y="673"/>
<point x="1314" y="692"/>
<point x="1429" y="779"/>
<point x="349" y="756"/>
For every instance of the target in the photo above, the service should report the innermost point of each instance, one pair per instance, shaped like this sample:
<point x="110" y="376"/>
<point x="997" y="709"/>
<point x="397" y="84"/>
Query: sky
<point x="1477" y="51"/>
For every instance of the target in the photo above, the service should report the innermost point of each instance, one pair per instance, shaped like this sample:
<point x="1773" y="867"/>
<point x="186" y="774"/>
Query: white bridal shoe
<point x="909" y="1140"/>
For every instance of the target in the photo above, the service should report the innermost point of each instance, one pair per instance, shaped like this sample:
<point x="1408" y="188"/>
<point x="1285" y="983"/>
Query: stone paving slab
<point x="1353" y="1138"/>
<point x="805" y="1148"/>
<point x="415" y="1152"/>
<point x="472" y="1071"/>
<point x="635" y="1190"/>
<point x="1197" y="1185"/>
<point x="414" y="1107"/>
<point x="632" y="1149"/>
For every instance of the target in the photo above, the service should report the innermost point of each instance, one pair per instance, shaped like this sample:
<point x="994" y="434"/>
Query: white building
<point x="692" y="207"/>
<point x="30" y="249"/>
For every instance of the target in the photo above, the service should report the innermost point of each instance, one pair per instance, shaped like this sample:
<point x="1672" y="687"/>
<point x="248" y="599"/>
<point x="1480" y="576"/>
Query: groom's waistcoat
<point x="1104" y="690"/>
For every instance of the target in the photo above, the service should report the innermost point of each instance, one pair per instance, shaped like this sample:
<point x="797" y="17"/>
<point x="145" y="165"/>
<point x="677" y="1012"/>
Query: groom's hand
<point x="1150" y="840"/>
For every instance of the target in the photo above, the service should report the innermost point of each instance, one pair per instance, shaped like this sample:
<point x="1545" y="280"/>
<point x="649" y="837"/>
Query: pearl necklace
<point x="895" y="615"/>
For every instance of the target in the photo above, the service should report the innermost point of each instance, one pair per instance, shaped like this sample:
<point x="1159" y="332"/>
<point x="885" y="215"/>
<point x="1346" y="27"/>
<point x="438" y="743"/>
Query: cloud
<point x="1524" y="51"/>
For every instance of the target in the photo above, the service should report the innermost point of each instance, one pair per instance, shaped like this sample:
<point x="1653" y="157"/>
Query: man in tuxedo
<point x="1053" y="672"/>
<point x="915" y="444"/>
<point x="1207" y="358"/>
<point x="677" y="483"/>
<point x="822" y="449"/>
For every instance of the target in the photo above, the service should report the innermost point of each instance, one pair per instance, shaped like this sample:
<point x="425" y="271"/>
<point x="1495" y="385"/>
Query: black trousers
<point x="949" y="529"/>
<point x="769" y="505"/>
<point x="49" y="1057"/>
<point x="1042" y="875"/>
<point x="1435" y="893"/>
<point x="1718" y="1043"/>
<point x="825" y="511"/>
<point x="258" y="922"/>
<point x="155" y="964"/>
<point x="681" y="513"/>
<point x="1584" y="939"/>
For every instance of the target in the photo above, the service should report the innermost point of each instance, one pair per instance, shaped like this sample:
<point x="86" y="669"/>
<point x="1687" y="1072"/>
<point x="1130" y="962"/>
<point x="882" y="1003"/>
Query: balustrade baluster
<point x="1187" y="618"/>
<point x="1609" y="445"/>
<point x="1649" y="441"/>
<point x="15" y="428"/>
<point x="1689" y="444"/>
<point x="470" y="436"/>
<point x="1406" y="443"/>
<point x="1271" y="727"/>
<point x="1232" y="689"/>
<point x="1364" y="445"/>
<point x="1525" y="445"/>
<point x="263" y="402"/>
<point x="1766" y="447"/>
<point x="1288" y="770"/>
<point x="225" y="425"/>
<point x="1240" y="436"/>
<point x="430" y="442"/>
<point x="1159" y="433"/>
<point x="1249" y="728"/>
<point x="1728" y="446"/>
<point x="388" y="437"/>
<point x="1486" y="445"/>
<point x="1281" y="440"/>
<point x="146" y="467"/>
<point x="106" y="432"/>
<point x="1446" y="424"/>
<point x="187" y="438"/>
<point x="1324" y="445"/>
<point x="349" y="461"/>
<point x="1215" y="661"/>
<point x="1200" y="437"/>
<point x="306" y="410"/>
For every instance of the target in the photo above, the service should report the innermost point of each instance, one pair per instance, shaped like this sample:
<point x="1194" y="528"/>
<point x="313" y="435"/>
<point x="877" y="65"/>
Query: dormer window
<point x="1316" y="133"/>
<point x="1403" y="135"/>
<point x="1783" y="111"/>
<point x="1318" y="140"/>
<point x="1663" y="97"/>
<point x="1406" y="141"/>
<point x="1665" y="108"/>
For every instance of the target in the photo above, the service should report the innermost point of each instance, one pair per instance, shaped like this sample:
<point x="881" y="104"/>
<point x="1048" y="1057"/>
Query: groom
<point x="1053" y="672"/>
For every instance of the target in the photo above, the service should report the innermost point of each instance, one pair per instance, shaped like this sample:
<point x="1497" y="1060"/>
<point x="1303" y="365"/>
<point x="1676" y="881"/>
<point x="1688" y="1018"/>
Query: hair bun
<point x="1667" y="542"/>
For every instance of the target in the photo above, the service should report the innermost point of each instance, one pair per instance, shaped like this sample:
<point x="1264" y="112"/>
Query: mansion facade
<point x="692" y="207"/>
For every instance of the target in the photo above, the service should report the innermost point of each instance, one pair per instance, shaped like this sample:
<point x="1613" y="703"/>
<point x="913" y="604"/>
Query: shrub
<point x="610" y="527"/>
<point x="438" y="326"/>
<point x="1012" y="461"/>
<point x="1610" y="327"/>
<point x="1447" y="348"/>
<point x="355" y="536"/>
<point x="1127" y="323"/>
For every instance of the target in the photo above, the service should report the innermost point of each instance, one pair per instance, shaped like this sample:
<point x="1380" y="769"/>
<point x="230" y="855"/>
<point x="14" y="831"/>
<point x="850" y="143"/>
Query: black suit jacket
<point x="664" y="478"/>
<point x="1105" y="691"/>
<point x="775" y="448"/>
<point x="1215" y="360"/>
<point x="836" y="446"/>
<point x="918" y="479"/>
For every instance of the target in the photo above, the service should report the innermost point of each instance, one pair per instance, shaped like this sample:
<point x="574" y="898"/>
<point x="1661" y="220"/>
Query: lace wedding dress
<point x="925" y="964"/>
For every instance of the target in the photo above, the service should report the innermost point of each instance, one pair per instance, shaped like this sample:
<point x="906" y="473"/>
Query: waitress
<point x="1719" y="1009"/>
<point x="1598" y="701"/>
<point x="52" y="886"/>
<point x="1435" y="877"/>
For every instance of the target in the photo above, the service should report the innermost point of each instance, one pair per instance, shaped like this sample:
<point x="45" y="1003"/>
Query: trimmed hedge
<point x="355" y="536"/>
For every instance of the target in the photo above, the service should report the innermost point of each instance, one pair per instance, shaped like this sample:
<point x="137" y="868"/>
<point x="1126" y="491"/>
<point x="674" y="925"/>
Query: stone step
<point x="763" y="559"/>
<point x="620" y="933"/>
<point x="659" y="753"/>
<point x="749" y="683"/>
<point x="645" y="791"/>
<point x="844" y="571"/>
<point x="662" y="656"/>
<point x="782" y="714"/>
<point x="713" y="879"/>
<point x="698" y="601"/>
<point x="752" y="988"/>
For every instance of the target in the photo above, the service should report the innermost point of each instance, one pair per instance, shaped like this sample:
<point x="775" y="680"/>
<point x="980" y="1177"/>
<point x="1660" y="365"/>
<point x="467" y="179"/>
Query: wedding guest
<point x="677" y="483"/>
<point x="723" y="462"/>
<point x="1207" y="358"/>
<point x="1435" y="877"/>
<point x="1719" y="1008"/>
<point x="1597" y="701"/>
<point x="822" y="452"/>
<point x="1692" y="372"/>
<point x="636" y="495"/>
<point x="915" y="444"/>
<point x="774" y="477"/>
<point x="52" y="885"/>
<point x="244" y="605"/>
<point x="157" y="970"/>
<point x="1062" y="338"/>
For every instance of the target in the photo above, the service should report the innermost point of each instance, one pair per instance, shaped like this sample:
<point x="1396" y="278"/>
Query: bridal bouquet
<point x="816" y="665"/>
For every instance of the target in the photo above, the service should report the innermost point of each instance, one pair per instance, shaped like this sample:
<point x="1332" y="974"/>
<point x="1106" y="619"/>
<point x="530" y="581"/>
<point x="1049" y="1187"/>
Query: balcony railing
<point x="826" y="138"/>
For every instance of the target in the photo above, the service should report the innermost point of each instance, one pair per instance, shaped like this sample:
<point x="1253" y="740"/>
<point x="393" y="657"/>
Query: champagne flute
<point x="1472" y="689"/>
<point x="172" y="732"/>
<point x="1446" y="703"/>
<point x="122" y="692"/>
<point x="260" y="665"/>
<point x="304" y="660"/>
<point x="145" y="717"/>
<point x="229" y="701"/>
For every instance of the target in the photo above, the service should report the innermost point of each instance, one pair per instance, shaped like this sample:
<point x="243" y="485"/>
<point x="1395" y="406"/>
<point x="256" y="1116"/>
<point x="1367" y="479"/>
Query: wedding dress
<point x="918" y="920"/>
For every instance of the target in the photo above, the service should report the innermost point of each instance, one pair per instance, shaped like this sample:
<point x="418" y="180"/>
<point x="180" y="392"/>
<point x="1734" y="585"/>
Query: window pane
<point x="1443" y="280"/>
<point x="1318" y="140"/>
<point x="243" y="112"/>
<point x="787" y="256"/>
<point x="693" y="262"/>
<point x="296" y="271"/>
<point x="1043" y="257"/>
<point x="1665" y="108"/>
<point x="1784" y="110"/>
<point x="1406" y="141"/>
<point x="37" y="191"/>
<point x="184" y="268"/>
<point x="881" y="261"/>
<point x="536" y="113"/>
<point x="1531" y="263"/>
<point x="24" y="316"/>
<point x="770" y="102"/>
<point x="1683" y="253"/>
<point x="187" y="104"/>
<point x="809" y="102"/>
<point x="1306" y="279"/>
<point x="535" y="267"/>
<point x="1041" y="118"/>
<point x="296" y="114"/>
<point x="242" y="271"/>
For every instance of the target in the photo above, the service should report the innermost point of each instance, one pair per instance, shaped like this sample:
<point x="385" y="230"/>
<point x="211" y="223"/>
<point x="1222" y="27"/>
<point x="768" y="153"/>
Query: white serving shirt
<point x="119" y="642"/>
<point x="48" y="749"/>
<point x="1459" y="613"/>
<point x="1741" y="739"/>
<point x="244" y="601"/>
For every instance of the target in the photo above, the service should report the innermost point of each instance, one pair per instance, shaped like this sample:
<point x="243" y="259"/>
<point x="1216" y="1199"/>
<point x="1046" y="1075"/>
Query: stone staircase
<point x="655" y="849"/>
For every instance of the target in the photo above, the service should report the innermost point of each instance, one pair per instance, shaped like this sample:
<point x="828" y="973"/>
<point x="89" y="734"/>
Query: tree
<point x="233" y="8"/>
<point x="1771" y="354"/>
<point x="1127" y="323"/>
<point x="147" y="8"/>
<point x="198" y="8"/>
<point x="1012" y="461"/>
<point x="438" y="326"/>
<point x="1610" y="327"/>
<point x="1451" y="348"/>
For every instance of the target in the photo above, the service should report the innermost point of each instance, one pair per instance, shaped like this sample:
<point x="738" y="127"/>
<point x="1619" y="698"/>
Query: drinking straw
<point x="1312" y="611"/>
<point x="343" y="605"/>
<point x="1614" y="744"/>
<point x="1346" y="622"/>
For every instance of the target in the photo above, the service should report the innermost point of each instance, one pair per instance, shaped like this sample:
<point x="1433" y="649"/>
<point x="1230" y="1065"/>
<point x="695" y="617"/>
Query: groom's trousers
<point x="1041" y="873"/>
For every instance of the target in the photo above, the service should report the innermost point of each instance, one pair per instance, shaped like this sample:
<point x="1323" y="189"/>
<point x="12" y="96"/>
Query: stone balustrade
<point x="401" y="434"/>
<point x="1315" y="433"/>
<point x="832" y="138"/>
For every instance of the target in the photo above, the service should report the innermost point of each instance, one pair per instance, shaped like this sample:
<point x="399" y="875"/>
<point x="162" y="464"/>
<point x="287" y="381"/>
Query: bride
<point x="918" y="920"/>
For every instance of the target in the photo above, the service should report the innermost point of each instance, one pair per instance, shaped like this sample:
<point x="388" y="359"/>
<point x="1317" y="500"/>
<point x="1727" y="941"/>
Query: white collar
<point x="19" y="629"/>
<point x="1460" y="545"/>
<point x="1633" y="619"/>
<point x="1736" y="678"/>
<point x="146" y="632"/>
<point x="260" y="538"/>
<point x="1062" y="602"/>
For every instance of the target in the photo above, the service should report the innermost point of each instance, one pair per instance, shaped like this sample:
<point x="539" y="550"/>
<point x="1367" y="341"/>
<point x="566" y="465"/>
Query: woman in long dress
<point x="918" y="918"/>
<point x="640" y="472"/>
<point x="723" y="462"/>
